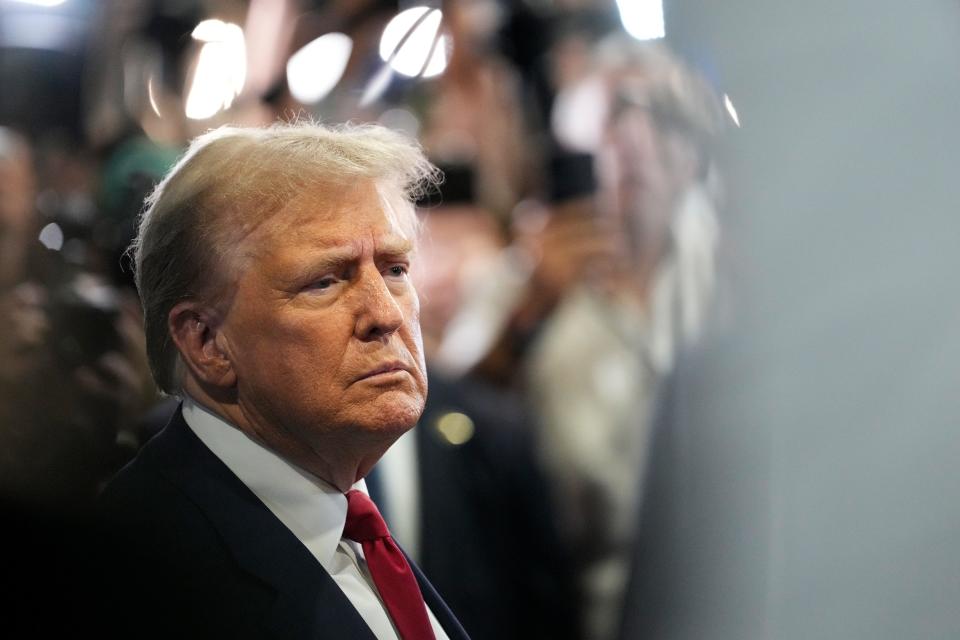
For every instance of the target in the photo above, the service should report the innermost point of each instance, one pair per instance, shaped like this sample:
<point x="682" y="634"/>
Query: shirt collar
<point x="313" y="510"/>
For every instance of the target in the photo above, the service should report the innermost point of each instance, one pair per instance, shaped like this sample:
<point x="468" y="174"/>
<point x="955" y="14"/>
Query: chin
<point x="397" y="417"/>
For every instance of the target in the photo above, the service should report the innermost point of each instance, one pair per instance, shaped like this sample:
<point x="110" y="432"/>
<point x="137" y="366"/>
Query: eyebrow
<point x="394" y="246"/>
<point x="336" y="254"/>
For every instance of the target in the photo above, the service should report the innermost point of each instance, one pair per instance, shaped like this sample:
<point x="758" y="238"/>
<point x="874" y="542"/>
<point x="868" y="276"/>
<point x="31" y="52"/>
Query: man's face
<point x="323" y="331"/>
<point x="642" y="185"/>
<point x="458" y="245"/>
<point x="654" y="167"/>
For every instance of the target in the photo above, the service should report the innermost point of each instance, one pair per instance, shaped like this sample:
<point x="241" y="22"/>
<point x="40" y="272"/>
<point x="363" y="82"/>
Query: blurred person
<point x="17" y="207"/>
<point x="594" y="370"/>
<point x="468" y="471"/>
<point x="803" y="479"/>
<point x="68" y="386"/>
<point x="474" y="111"/>
<point x="499" y="323"/>
<point x="67" y="379"/>
<point x="621" y="276"/>
<point x="18" y="221"/>
<point x="555" y="246"/>
<point x="273" y="266"/>
<point x="461" y="238"/>
<point x="131" y="166"/>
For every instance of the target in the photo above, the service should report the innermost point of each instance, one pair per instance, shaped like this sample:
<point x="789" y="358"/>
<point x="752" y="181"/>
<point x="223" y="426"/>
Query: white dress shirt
<point x="314" y="511"/>
<point x="400" y="482"/>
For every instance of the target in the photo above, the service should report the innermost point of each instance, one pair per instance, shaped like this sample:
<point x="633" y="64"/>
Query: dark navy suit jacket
<point x="190" y="551"/>
<point x="488" y="539"/>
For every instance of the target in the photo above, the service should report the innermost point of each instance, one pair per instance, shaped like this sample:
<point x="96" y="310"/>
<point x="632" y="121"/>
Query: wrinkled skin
<point x="322" y="333"/>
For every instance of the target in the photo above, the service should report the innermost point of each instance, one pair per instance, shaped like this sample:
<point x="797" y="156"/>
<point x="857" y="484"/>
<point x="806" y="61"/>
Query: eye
<point x="321" y="284"/>
<point x="397" y="270"/>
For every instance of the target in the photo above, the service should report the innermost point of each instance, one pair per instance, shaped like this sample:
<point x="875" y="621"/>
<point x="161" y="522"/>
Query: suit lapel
<point x="439" y="608"/>
<point x="309" y="603"/>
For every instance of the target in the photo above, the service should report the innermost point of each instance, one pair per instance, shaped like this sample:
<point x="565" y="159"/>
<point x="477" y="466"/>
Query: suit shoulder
<point x="158" y="545"/>
<point x="143" y="508"/>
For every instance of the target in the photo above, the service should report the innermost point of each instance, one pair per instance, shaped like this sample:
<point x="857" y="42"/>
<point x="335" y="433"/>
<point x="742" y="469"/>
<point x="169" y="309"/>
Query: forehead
<point x="331" y="214"/>
<point x="359" y="202"/>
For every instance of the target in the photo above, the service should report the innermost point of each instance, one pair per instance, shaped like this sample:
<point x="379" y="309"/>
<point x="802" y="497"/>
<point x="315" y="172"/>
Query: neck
<point x="351" y="460"/>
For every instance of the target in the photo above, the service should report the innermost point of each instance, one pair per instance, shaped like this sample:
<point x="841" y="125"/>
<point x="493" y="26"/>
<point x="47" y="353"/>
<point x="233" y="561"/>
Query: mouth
<point x="385" y="370"/>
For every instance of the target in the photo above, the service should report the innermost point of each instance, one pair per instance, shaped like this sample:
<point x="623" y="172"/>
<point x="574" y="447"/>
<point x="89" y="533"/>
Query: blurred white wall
<point x="816" y="486"/>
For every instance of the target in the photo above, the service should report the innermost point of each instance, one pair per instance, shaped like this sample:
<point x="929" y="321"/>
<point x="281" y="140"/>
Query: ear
<point x="195" y="330"/>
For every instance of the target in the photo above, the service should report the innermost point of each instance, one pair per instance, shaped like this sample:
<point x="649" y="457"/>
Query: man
<point x="620" y="277"/>
<point x="599" y="357"/>
<point x="272" y="266"/>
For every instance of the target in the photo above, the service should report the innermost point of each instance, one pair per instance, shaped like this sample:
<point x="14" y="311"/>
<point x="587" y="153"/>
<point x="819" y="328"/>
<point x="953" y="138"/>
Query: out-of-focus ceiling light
<point x="579" y="113"/>
<point x="211" y="30"/>
<point x="51" y="236"/>
<point x="42" y="3"/>
<point x="151" y="96"/>
<point x="731" y="110"/>
<point x="220" y="71"/>
<point x="413" y="44"/>
<point x="314" y="70"/>
<point x="643" y="19"/>
<point x="42" y="24"/>
<point x="376" y="86"/>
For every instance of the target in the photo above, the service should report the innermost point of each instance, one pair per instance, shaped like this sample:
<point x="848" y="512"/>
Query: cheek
<point x="410" y="305"/>
<point x="274" y="346"/>
<point x="415" y="340"/>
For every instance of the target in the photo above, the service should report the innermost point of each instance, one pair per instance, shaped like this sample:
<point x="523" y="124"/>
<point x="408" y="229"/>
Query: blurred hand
<point x="25" y="326"/>
<point x="568" y="247"/>
<point x="573" y="248"/>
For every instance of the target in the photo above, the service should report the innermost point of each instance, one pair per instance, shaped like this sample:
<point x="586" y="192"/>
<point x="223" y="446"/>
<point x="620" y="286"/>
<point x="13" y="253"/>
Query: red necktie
<point x="395" y="581"/>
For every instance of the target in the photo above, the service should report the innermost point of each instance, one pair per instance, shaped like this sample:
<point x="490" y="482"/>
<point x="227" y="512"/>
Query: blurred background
<point x="689" y="292"/>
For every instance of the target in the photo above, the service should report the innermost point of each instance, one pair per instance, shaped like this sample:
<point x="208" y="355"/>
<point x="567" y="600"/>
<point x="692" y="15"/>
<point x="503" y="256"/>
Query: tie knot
<point x="364" y="521"/>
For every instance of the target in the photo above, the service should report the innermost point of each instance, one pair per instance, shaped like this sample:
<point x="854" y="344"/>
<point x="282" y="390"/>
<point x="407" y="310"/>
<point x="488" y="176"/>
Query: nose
<point x="378" y="312"/>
